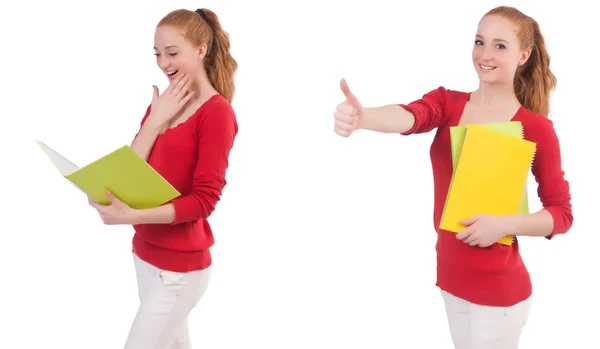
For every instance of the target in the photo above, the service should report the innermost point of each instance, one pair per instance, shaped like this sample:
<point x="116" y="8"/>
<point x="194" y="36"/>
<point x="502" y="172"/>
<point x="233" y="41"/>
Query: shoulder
<point x="537" y="127"/>
<point x="217" y="106"/>
<point x="217" y="113"/>
<point x="442" y="92"/>
<point x="439" y="98"/>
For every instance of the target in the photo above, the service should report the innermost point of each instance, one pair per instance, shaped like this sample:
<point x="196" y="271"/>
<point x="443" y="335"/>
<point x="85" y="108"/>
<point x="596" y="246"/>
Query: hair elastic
<point x="201" y="13"/>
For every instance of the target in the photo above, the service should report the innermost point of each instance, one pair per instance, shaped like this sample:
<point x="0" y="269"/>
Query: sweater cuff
<point x="562" y="222"/>
<point x="414" y="126"/>
<point x="185" y="209"/>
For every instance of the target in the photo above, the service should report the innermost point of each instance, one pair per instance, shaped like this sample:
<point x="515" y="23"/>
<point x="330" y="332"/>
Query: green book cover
<point x="513" y="128"/>
<point x="129" y="177"/>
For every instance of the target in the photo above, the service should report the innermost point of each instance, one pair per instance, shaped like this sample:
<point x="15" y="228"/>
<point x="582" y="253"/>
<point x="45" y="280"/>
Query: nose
<point x="486" y="53"/>
<point x="162" y="62"/>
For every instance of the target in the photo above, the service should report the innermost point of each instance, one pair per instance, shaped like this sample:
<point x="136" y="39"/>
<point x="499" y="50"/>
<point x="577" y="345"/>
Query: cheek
<point x="476" y="53"/>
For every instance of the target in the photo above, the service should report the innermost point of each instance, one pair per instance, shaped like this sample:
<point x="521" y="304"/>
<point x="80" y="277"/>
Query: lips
<point x="486" y="67"/>
<point x="172" y="73"/>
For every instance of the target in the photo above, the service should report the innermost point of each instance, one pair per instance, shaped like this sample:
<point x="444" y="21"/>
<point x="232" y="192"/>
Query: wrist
<point x="155" y="126"/>
<point x="514" y="223"/>
<point x="133" y="216"/>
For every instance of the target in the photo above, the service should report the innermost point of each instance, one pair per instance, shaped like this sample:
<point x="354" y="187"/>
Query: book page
<point x="65" y="166"/>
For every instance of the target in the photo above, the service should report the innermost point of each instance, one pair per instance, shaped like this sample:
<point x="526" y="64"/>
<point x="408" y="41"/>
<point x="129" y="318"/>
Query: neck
<point x="202" y="87"/>
<point x="493" y="95"/>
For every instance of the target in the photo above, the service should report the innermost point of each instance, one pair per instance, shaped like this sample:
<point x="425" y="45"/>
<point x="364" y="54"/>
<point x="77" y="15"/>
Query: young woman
<point x="485" y="285"/>
<point x="186" y="136"/>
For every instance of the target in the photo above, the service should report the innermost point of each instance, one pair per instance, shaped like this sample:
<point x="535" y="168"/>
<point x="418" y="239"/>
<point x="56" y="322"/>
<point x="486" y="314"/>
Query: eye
<point x="172" y="54"/>
<point x="500" y="46"/>
<point x="478" y="42"/>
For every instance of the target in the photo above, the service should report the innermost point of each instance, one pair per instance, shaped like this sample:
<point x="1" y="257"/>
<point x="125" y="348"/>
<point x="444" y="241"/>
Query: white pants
<point x="474" y="326"/>
<point x="166" y="299"/>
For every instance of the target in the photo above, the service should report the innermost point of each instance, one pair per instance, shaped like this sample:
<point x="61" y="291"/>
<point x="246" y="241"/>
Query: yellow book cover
<point x="129" y="177"/>
<point x="513" y="128"/>
<point x="490" y="175"/>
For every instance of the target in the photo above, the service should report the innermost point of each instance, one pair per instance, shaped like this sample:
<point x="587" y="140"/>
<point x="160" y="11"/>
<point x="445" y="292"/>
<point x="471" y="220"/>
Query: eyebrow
<point x="167" y="47"/>
<point x="481" y="37"/>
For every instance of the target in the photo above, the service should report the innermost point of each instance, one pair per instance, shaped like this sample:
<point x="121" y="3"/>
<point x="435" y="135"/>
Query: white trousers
<point x="474" y="326"/>
<point x="166" y="299"/>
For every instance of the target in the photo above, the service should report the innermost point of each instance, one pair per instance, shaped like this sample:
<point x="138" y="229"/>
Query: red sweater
<point x="193" y="157"/>
<point x="496" y="275"/>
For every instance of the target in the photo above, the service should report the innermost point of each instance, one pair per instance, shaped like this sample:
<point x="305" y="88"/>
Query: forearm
<point x="534" y="224"/>
<point x="388" y="119"/>
<point x="145" y="139"/>
<point x="164" y="214"/>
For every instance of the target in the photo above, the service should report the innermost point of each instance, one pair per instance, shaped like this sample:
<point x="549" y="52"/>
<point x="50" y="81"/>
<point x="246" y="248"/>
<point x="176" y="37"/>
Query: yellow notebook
<point x="123" y="172"/>
<point x="490" y="175"/>
<point x="513" y="128"/>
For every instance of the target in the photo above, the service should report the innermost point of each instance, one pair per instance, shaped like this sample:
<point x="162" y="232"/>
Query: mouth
<point x="172" y="73"/>
<point x="486" y="67"/>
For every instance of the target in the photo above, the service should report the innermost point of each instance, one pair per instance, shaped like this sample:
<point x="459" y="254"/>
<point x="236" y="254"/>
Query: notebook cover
<point x="128" y="177"/>
<point x="513" y="128"/>
<point x="490" y="175"/>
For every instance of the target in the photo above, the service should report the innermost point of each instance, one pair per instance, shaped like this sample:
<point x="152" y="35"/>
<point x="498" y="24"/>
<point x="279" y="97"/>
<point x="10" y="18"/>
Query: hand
<point x="484" y="230"/>
<point x="116" y="213"/>
<point x="349" y="114"/>
<point x="165" y="106"/>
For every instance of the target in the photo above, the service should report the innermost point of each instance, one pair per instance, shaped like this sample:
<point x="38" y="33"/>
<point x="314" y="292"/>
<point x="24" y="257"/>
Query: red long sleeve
<point x="216" y="133"/>
<point x="553" y="189"/>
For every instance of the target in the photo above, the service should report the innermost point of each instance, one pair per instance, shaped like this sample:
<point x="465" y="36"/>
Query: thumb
<point x="349" y="95"/>
<point x="470" y="220"/>
<point x="111" y="197"/>
<point x="154" y="92"/>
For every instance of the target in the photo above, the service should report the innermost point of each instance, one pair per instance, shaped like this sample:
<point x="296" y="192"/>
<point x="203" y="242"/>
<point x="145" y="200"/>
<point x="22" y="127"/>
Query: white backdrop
<point x="321" y="242"/>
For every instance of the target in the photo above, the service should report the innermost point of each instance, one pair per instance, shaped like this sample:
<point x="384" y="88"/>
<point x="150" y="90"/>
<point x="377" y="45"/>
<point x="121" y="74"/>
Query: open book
<point x="123" y="172"/>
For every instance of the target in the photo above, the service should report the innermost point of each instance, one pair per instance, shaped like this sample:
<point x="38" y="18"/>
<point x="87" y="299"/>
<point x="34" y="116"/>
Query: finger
<point x="475" y="242"/>
<point x="465" y="233"/>
<point x="470" y="220"/>
<point x="347" y="109"/>
<point x="472" y="239"/>
<point x="174" y="83"/>
<point x="185" y="88"/>
<point x="109" y="194"/>
<point x="112" y="198"/>
<point x="340" y="116"/>
<point x="342" y="132"/>
<point x="343" y="125"/>
<point x="349" y="95"/>
<point x="154" y="93"/>
<point x="97" y="206"/>
<point x="179" y="85"/>
<point x="187" y="97"/>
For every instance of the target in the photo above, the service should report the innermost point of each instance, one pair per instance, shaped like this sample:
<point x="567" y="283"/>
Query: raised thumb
<point x="154" y="92"/>
<point x="350" y="97"/>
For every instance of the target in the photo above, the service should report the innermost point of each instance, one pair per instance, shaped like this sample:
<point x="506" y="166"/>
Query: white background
<point x="321" y="241"/>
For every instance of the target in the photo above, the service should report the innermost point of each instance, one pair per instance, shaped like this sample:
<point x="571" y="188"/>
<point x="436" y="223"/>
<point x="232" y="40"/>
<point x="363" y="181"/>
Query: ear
<point x="524" y="57"/>
<point x="202" y="51"/>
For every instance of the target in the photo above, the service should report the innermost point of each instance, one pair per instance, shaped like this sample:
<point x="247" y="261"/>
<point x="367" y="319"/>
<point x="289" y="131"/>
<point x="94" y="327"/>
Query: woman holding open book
<point x="485" y="284"/>
<point x="186" y="135"/>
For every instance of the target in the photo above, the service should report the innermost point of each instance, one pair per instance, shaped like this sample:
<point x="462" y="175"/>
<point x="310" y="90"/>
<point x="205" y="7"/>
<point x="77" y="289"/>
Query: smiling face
<point x="175" y="55"/>
<point x="497" y="52"/>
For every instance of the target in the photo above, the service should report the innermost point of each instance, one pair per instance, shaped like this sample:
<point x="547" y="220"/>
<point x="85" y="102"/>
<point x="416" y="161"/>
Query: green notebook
<point x="123" y="172"/>
<point x="513" y="128"/>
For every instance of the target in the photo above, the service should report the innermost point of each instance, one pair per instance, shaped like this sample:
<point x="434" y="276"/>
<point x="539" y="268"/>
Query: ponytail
<point x="220" y="65"/>
<point x="534" y="81"/>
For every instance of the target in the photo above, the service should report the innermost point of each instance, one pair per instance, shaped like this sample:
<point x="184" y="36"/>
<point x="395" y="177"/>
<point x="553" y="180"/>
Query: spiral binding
<point x="513" y="238"/>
